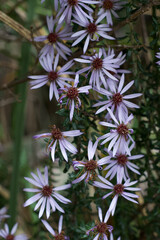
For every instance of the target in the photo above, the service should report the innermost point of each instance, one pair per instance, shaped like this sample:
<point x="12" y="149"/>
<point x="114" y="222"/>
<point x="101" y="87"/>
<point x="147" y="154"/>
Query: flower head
<point x="55" y="137"/>
<point x="101" y="230"/>
<point x="158" y="56"/>
<point x="45" y="194"/>
<point x="71" y="93"/>
<point x="100" y="67"/>
<point x="109" y="8"/>
<point x="6" y="234"/>
<point x="117" y="101"/>
<point x="54" y="77"/>
<point x="3" y="214"/>
<point x="54" y="39"/>
<point x="60" y="234"/>
<point x="117" y="190"/>
<point x="119" y="134"/>
<point x="92" y="31"/>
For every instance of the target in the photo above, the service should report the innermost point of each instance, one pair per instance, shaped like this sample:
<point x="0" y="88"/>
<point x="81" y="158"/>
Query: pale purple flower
<point x="117" y="101"/>
<point x="87" y="169"/>
<point x="71" y="93"/>
<point x="55" y="137"/>
<point x="120" y="164"/>
<point x="119" y="136"/>
<point x="3" y="214"/>
<point x="102" y="229"/>
<point x="76" y="6"/>
<point x="117" y="190"/>
<point x="54" y="77"/>
<point x="109" y="8"/>
<point x="6" y="234"/>
<point x="158" y="56"/>
<point x="45" y="194"/>
<point x="99" y="67"/>
<point x="55" y="39"/>
<point x="92" y="31"/>
<point x="60" y="234"/>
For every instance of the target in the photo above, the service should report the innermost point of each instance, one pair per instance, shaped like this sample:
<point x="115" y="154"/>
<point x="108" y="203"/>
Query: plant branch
<point x="137" y="13"/>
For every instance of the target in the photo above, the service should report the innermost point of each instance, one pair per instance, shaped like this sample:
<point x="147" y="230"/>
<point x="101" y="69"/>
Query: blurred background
<point x="25" y="112"/>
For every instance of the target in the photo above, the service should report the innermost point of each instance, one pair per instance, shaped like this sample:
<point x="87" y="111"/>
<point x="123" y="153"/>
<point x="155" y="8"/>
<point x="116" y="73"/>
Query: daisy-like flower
<point x="109" y="8"/>
<point x="117" y="101"/>
<point x="99" y="67"/>
<point x="72" y="95"/>
<point x="3" y="214"/>
<point x="56" y="136"/>
<point x="45" y="194"/>
<point x="6" y="234"/>
<point x="120" y="163"/>
<point x="88" y="169"/>
<point x="120" y="136"/>
<point x="60" y="235"/>
<point x="55" y="37"/>
<point x="158" y="56"/>
<point x="92" y="31"/>
<point x="117" y="190"/>
<point x="102" y="230"/>
<point x="54" y="77"/>
<point x="77" y="5"/>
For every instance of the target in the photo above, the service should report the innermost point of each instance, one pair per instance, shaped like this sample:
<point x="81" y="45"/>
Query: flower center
<point x="72" y="2"/>
<point x="122" y="159"/>
<point x="91" y="28"/>
<point x="117" y="98"/>
<point x="107" y="4"/>
<point x="72" y="93"/>
<point x="118" y="189"/>
<point x="10" y="237"/>
<point x="102" y="227"/>
<point x="122" y="130"/>
<point x="52" y="37"/>
<point x="97" y="63"/>
<point x="60" y="237"/>
<point x="46" y="191"/>
<point x="52" y="76"/>
<point x="56" y="133"/>
<point x="91" y="165"/>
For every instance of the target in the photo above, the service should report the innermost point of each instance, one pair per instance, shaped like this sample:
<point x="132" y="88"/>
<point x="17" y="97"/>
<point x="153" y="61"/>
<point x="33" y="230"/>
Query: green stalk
<point x="18" y="120"/>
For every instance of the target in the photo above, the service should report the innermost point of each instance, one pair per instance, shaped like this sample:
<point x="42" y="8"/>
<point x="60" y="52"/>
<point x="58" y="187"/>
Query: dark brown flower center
<point x="122" y="159"/>
<point x="72" y="2"/>
<point x="117" y="98"/>
<point x="97" y="63"/>
<point x="122" y="130"/>
<point x="10" y="237"/>
<point x="60" y="237"/>
<point x="107" y="4"/>
<point x="46" y="191"/>
<point x="52" y="37"/>
<point x="91" y="28"/>
<point x="102" y="227"/>
<point x="91" y="165"/>
<point x="118" y="189"/>
<point x="52" y="76"/>
<point x="72" y="93"/>
<point x="56" y="133"/>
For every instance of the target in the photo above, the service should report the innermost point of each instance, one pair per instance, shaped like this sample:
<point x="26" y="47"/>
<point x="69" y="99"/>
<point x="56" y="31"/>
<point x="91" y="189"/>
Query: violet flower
<point x="45" y="194"/>
<point x="3" y="214"/>
<point x="102" y="229"/>
<point x="71" y="93"/>
<point x="55" y="38"/>
<point x="92" y="31"/>
<point x="109" y="8"/>
<point x="119" y="134"/>
<point x="55" y="137"/>
<point x="158" y="56"/>
<point x="117" y="190"/>
<point x="6" y="234"/>
<point x="54" y="77"/>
